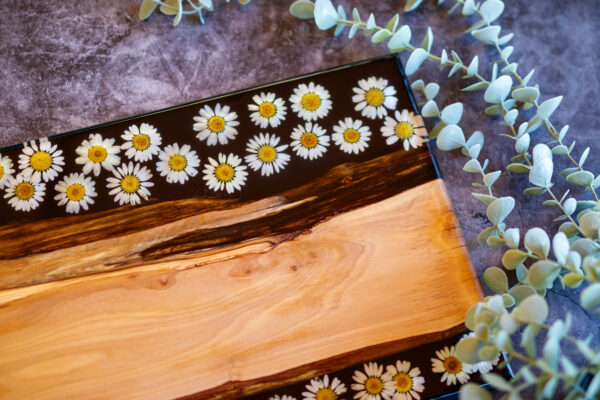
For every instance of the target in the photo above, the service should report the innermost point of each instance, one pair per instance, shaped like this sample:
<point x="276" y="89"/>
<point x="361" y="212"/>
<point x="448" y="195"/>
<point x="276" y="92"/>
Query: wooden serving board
<point x="200" y="293"/>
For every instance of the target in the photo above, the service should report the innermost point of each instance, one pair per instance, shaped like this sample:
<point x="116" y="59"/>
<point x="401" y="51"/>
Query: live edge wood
<point x="235" y="319"/>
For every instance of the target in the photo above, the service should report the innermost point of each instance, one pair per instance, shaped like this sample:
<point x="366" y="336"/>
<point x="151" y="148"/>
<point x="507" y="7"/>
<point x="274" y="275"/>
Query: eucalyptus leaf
<point x="560" y="247"/>
<point x="518" y="168"/>
<point x="427" y="41"/>
<point x="522" y="144"/>
<point x="541" y="173"/>
<point x="522" y="292"/>
<point x="496" y="280"/>
<point x="147" y="8"/>
<point x="490" y="10"/>
<point x="534" y="191"/>
<point x="381" y="35"/>
<point x="526" y="94"/>
<point x="401" y="39"/>
<point x="537" y="241"/>
<point x="452" y="113"/>
<point x="476" y="86"/>
<point x="393" y="23"/>
<point x="412" y="5"/>
<point x="541" y="152"/>
<point x="511" y="116"/>
<point x="471" y="391"/>
<point x="581" y="178"/>
<point x="472" y="166"/>
<point x="451" y="137"/>
<point x="431" y="90"/>
<point x="542" y="274"/>
<point x="573" y="280"/>
<point x="512" y="237"/>
<point x="497" y="382"/>
<point x="488" y="34"/>
<point x="512" y="258"/>
<point x="533" y="309"/>
<point x="430" y="109"/>
<point x="415" y="60"/>
<point x="473" y="66"/>
<point x="467" y="349"/>
<point x="500" y="209"/>
<point x="498" y="90"/>
<point x="483" y="197"/>
<point x="325" y="14"/>
<point x="547" y="107"/>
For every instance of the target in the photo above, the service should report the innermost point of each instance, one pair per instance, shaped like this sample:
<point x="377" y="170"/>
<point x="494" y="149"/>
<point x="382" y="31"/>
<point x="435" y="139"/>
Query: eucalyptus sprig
<point x="576" y="246"/>
<point x="179" y="8"/>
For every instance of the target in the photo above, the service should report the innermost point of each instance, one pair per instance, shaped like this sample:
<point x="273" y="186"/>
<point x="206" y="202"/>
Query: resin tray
<point x="271" y="242"/>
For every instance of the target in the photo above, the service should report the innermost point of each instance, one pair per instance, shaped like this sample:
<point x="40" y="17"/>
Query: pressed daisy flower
<point x="309" y="141"/>
<point x="130" y="182"/>
<point x="227" y="173"/>
<point x="322" y="389"/>
<point x="6" y="170"/>
<point x="351" y="135"/>
<point x="407" y="127"/>
<point x="407" y="382"/>
<point x="268" y="110"/>
<point x="452" y="368"/>
<point x="482" y="367"/>
<point x="216" y="126"/>
<point x="178" y="164"/>
<point x="25" y="193"/>
<point x="96" y="153"/>
<point x="266" y="155"/>
<point x="373" y="97"/>
<point x="310" y="102"/>
<point x="141" y="143"/>
<point x="284" y="397"/>
<point x="76" y="191"/>
<point x="43" y="161"/>
<point x="373" y="384"/>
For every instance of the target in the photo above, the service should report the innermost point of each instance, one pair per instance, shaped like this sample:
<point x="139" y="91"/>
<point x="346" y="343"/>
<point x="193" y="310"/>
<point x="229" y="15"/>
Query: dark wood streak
<point x="343" y="188"/>
<point x="236" y="389"/>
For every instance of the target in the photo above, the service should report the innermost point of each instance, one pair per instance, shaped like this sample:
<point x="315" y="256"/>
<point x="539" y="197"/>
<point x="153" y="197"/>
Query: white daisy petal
<point x="309" y="141"/>
<point x="374" y="97"/>
<point x="130" y="182"/>
<point x="216" y="126"/>
<point x="96" y="153"/>
<point x="452" y="368"/>
<point x="177" y="164"/>
<point x="76" y="191"/>
<point x="268" y="110"/>
<point x="318" y="387"/>
<point x="141" y="143"/>
<point x="43" y="162"/>
<point x="266" y="155"/>
<point x="372" y="384"/>
<point x="351" y="136"/>
<point x="227" y="173"/>
<point x="24" y="192"/>
<point x="6" y="170"/>
<point x="311" y="102"/>
<point x="403" y="127"/>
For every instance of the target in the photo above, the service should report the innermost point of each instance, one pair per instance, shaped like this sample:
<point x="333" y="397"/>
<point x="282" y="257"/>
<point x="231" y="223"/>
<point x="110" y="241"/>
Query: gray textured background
<point x="70" y="64"/>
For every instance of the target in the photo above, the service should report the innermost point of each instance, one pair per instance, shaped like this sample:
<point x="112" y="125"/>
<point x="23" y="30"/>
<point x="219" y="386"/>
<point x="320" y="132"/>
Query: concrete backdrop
<point x="70" y="64"/>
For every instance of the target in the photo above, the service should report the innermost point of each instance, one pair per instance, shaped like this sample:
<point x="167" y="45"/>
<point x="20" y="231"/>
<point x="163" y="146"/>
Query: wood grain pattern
<point x="222" y="321"/>
<point x="126" y="237"/>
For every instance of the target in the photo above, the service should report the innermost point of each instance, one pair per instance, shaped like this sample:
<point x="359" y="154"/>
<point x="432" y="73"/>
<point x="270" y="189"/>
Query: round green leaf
<point x="590" y="296"/>
<point x="533" y="309"/>
<point x="537" y="241"/>
<point x="522" y="144"/>
<point x="496" y="279"/>
<point x="526" y="94"/>
<point x="512" y="258"/>
<point x="512" y="237"/>
<point x="467" y="349"/>
<point x="499" y="209"/>
<point x="451" y="114"/>
<point x="147" y="8"/>
<point x="491" y="9"/>
<point x="521" y="292"/>
<point x="488" y="34"/>
<point x="581" y="178"/>
<point x="542" y="274"/>
<point x="547" y="107"/>
<point x="302" y="9"/>
<point x="430" y="109"/>
<point x="400" y="39"/>
<point x="471" y="391"/>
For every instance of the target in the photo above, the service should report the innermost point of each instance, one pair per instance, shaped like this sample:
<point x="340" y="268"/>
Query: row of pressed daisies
<point x="41" y="161"/>
<point x="398" y="382"/>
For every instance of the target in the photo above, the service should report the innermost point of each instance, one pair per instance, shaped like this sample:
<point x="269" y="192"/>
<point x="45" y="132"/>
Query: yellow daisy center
<point x="325" y="394"/>
<point x="1" y="171"/>
<point x="97" y="154"/>
<point x="403" y="382"/>
<point x="141" y="141"/>
<point x="267" y="109"/>
<point x="177" y="162"/>
<point x="351" y="135"/>
<point x="311" y="101"/>
<point x="267" y="153"/>
<point x="224" y="172"/>
<point x="374" y="97"/>
<point x="309" y="140"/>
<point x="374" y="385"/>
<point x="216" y="124"/>
<point x="404" y="130"/>
<point x="75" y="192"/>
<point x="24" y="190"/>
<point x="130" y="184"/>
<point x="453" y="365"/>
<point x="41" y="160"/>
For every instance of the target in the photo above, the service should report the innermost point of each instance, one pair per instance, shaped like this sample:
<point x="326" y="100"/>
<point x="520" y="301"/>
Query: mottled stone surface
<point x="67" y="65"/>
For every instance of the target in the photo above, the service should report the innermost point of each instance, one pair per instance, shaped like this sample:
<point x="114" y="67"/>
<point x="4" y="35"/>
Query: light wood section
<point x="383" y="273"/>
